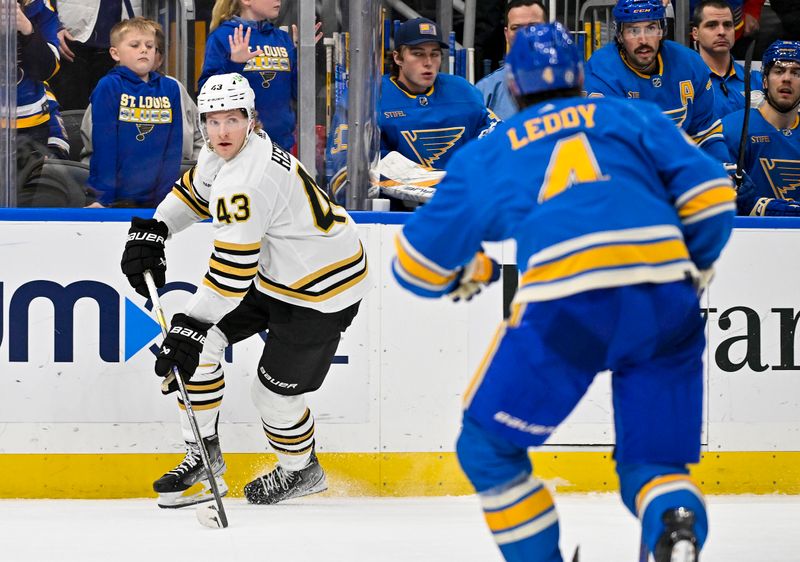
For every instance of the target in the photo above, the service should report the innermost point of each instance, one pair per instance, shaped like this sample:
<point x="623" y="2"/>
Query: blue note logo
<point x="430" y="144"/>
<point x="783" y="176"/>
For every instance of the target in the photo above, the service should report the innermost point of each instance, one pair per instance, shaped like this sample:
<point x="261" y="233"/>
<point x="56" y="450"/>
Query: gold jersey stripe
<point x="707" y="199"/>
<point x="250" y="247"/>
<point x="245" y="270"/>
<point x="607" y="257"/>
<point x="310" y="278"/>
<point x="324" y="295"/>
<point x="224" y="292"/>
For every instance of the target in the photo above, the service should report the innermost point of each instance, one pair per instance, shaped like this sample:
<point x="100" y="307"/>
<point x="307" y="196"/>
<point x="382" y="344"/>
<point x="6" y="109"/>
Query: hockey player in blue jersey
<point x="613" y="241"/>
<point x="137" y="126"/>
<point x="713" y="32"/>
<point x="772" y="150"/>
<point x="640" y="64"/>
<point x="244" y="40"/>
<point x="424" y="115"/>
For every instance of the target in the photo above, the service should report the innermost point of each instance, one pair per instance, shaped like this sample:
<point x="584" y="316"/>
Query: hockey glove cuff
<point x="145" y="250"/>
<point x="182" y="346"/>
<point x="478" y="273"/>
<point x="703" y="279"/>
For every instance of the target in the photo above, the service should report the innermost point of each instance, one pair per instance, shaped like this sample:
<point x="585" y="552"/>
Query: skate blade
<point x="199" y="493"/>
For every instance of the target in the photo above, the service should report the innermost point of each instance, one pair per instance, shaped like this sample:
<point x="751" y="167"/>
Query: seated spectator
<point x="424" y="115"/>
<point x="137" y="133"/>
<point x="84" y="43"/>
<point x="772" y="150"/>
<point x="192" y="137"/>
<point x="713" y="32"/>
<point x="494" y="87"/>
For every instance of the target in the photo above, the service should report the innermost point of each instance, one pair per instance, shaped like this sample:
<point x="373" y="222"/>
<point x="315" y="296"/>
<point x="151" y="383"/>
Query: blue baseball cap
<point x="418" y="31"/>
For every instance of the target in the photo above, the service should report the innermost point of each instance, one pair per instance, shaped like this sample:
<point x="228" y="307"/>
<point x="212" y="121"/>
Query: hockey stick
<point x="748" y="61"/>
<point x="208" y="514"/>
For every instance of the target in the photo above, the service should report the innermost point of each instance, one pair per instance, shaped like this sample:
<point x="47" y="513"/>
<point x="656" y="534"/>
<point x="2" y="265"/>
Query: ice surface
<point x="321" y="529"/>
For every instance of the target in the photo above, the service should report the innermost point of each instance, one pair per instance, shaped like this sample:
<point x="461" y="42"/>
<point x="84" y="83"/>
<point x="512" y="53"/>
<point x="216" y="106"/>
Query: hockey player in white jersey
<point x="284" y="258"/>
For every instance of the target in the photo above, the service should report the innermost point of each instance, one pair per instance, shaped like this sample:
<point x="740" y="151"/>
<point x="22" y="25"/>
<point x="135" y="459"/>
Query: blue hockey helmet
<point x="632" y="11"/>
<point x="543" y="57"/>
<point x="780" y="50"/>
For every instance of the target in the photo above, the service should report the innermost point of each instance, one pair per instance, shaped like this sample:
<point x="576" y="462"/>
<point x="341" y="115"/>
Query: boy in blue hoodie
<point x="243" y="40"/>
<point x="137" y="127"/>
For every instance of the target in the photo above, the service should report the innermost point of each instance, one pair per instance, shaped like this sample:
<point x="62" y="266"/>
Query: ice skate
<point x="186" y="484"/>
<point x="678" y="543"/>
<point x="281" y="484"/>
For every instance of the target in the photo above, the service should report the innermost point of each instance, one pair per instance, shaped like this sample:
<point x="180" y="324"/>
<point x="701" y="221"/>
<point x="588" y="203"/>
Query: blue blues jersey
<point x="583" y="187"/>
<point x="428" y="128"/>
<point x="680" y="86"/>
<point x="496" y="94"/>
<point x="137" y="134"/>
<point x="771" y="159"/>
<point x="729" y="89"/>
<point x="273" y="75"/>
<point x="38" y="61"/>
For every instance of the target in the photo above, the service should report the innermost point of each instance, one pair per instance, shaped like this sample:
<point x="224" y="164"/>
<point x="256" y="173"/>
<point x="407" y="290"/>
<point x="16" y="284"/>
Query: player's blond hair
<point x="224" y="10"/>
<point x="142" y="25"/>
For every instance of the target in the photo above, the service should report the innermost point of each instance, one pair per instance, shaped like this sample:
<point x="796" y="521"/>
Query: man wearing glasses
<point x="640" y="64"/>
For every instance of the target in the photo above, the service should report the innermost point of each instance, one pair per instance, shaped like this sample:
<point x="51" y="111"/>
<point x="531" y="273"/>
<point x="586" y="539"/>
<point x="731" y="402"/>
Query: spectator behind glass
<point x="243" y="40"/>
<point x="84" y="43"/>
<point x="137" y="133"/>
<point x="38" y="119"/>
<point x="713" y="33"/>
<point x="192" y="137"/>
<point x="519" y="14"/>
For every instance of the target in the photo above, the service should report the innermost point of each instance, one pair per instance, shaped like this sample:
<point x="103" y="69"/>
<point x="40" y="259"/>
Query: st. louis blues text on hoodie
<point x="137" y="136"/>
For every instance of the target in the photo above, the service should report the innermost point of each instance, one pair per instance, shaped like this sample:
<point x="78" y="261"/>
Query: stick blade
<point x="209" y="515"/>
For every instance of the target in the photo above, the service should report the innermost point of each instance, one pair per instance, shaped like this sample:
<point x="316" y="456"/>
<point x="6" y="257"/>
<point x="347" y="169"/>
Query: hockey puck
<point x="209" y="516"/>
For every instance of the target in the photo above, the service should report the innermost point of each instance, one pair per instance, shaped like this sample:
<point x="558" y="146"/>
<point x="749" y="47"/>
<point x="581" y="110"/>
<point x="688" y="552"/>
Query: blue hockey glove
<point x="182" y="346"/>
<point x="478" y="273"/>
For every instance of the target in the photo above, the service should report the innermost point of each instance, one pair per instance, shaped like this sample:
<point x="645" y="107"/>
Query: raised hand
<point x="240" y="45"/>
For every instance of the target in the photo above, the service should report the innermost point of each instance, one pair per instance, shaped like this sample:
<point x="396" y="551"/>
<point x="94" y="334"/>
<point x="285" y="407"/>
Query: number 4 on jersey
<point x="572" y="162"/>
<point x="321" y="206"/>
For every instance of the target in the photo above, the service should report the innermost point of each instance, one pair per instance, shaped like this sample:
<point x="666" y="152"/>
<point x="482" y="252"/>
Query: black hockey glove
<point x="478" y="273"/>
<point x="182" y="346"/>
<point x="145" y="250"/>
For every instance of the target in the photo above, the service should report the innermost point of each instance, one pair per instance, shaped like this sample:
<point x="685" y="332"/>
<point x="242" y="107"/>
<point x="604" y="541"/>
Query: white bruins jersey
<point x="273" y="227"/>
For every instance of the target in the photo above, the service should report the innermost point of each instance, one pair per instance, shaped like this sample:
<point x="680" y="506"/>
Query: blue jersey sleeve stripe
<point x="719" y="195"/>
<point x="420" y="268"/>
<point x="693" y="192"/>
<point x="714" y="131"/>
<point x="711" y="212"/>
